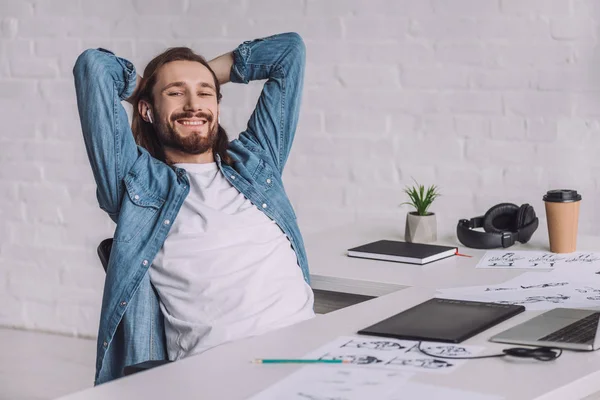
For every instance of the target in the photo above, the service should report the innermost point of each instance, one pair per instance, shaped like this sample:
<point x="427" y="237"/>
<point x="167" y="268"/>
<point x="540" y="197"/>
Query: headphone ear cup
<point x="501" y="218"/>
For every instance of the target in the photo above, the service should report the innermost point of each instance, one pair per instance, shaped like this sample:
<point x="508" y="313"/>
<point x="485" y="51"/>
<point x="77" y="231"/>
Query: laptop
<point x="565" y="328"/>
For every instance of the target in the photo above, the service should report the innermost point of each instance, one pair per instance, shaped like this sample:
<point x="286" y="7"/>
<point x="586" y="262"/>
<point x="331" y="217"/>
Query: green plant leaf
<point x="421" y="198"/>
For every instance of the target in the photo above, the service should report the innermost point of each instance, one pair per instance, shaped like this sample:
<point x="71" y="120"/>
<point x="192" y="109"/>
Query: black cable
<point x="539" y="353"/>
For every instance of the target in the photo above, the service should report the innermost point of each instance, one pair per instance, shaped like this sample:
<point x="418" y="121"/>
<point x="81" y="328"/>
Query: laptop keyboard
<point x="582" y="331"/>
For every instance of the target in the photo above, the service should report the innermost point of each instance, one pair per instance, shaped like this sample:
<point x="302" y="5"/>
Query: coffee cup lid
<point x="562" y="196"/>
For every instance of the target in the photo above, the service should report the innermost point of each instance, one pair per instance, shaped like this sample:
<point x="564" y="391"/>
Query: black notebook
<point x="413" y="253"/>
<point x="443" y="320"/>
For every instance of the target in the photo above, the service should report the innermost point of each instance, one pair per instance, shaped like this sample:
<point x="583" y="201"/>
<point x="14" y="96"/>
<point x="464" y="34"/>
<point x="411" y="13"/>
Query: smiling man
<point x="207" y="248"/>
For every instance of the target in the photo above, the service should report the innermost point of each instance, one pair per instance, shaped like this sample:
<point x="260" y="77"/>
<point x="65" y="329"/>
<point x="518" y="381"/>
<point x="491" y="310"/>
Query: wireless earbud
<point x="149" y="115"/>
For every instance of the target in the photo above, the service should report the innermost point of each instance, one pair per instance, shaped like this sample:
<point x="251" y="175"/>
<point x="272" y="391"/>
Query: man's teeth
<point x="191" y="123"/>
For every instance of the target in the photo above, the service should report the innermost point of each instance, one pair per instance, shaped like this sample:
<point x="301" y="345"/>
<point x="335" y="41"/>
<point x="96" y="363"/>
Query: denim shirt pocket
<point x="138" y="208"/>
<point x="264" y="176"/>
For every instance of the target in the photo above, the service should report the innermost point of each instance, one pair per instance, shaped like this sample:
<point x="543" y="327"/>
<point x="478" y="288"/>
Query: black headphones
<point x="503" y="225"/>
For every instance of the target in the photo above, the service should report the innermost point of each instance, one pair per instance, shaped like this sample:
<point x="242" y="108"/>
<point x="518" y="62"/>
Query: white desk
<point x="225" y="372"/>
<point x="332" y="270"/>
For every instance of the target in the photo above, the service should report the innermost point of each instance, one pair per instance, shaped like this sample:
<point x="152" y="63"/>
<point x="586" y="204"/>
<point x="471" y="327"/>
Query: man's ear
<point x="144" y="109"/>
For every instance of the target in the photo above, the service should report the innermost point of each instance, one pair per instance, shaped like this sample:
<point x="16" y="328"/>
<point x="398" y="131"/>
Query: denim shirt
<point x="143" y="195"/>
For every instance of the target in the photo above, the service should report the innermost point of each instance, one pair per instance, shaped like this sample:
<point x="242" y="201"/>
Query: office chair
<point x="104" y="254"/>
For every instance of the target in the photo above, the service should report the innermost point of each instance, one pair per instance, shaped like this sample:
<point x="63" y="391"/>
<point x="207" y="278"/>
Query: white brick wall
<point x="492" y="100"/>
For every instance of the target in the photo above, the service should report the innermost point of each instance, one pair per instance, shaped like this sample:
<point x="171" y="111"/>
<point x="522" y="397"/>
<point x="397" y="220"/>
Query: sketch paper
<point x="536" y="291"/>
<point x="537" y="259"/>
<point x="401" y="355"/>
<point x="413" y="390"/>
<point x="335" y="382"/>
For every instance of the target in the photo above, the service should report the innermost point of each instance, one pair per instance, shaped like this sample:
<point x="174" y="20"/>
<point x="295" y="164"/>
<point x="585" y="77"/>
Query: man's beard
<point x="194" y="142"/>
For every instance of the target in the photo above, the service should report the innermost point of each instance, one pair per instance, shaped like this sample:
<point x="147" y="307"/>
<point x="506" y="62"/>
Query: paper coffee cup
<point x="562" y="213"/>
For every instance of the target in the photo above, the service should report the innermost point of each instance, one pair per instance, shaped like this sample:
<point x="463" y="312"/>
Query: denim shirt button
<point x="264" y="205"/>
<point x="123" y="303"/>
<point x="105" y="344"/>
<point x="268" y="180"/>
<point x="233" y="177"/>
<point x="145" y="262"/>
<point x="137" y="197"/>
<point x="167" y="222"/>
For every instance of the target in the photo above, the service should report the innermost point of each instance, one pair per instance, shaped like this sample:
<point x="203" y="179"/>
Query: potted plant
<point x="421" y="225"/>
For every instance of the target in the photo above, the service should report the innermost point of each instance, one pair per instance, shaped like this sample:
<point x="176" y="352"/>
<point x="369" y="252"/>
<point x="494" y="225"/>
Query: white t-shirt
<point x="226" y="271"/>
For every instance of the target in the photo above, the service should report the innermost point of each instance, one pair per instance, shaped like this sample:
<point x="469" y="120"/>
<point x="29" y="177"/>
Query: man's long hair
<point x="144" y="132"/>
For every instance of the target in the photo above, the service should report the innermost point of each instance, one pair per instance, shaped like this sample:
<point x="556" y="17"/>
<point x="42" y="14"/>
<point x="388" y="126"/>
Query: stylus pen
<point x="297" y="361"/>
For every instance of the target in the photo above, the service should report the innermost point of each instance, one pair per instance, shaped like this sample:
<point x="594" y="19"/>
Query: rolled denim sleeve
<point x="102" y="80"/>
<point x="280" y="59"/>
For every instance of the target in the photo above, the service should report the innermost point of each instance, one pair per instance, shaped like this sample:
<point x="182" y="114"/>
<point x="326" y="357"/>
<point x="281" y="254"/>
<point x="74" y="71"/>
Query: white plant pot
<point x="420" y="228"/>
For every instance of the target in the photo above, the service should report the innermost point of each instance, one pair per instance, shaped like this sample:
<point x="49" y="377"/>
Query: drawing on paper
<point x="425" y="363"/>
<point x="505" y="260"/>
<point x="559" y="298"/>
<point x="586" y="258"/>
<point x="544" y="285"/>
<point x="545" y="259"/>
<point x="441" y="350"/>
<point x="374" y="345"/>
<point x="314" y="397"/>
<point x="587" y="289"/>
<point x="353" y="358"/>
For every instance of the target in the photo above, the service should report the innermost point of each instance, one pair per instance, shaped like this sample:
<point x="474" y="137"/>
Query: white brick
<point x="438" y="125"/>
<point x="346" y="124"/>
<point x="557" y="8"/>
<point x="61" y="8"/>
<point x="43" y="316"/>
<point x="371" y="52"/>
<point x="509" y="128"/>
<point x="78" y="319"/>
<point x="522" y="177"/>
<point x="535" y="55"/>
<point x="316" y="29"/>
<point x="542" y="130"/>
<point x="460" y="53"/>
<point x="499" y="153"/>
<point x="310" y="123"/>
<point x="143" y="28"/>
<point x="91" y="277"/>
<point x="585" y="104"/>
<point x="328" y="193"/>
<point x="537" y="104"/>
<point x="319" y="75"/>
<point x="33" y="68"/>
<point x="578" y="130"/>
<point x="473" y="102"/>
<point x="376" y="197"/>
<point x="44" y="27"/>
<point x="462" y="177"/>
<point x="428" y="151"/>
<point x="108" y="8"/>
<point x="17" y="90"/>
<point x="217" y="8"/>
<point x="318" y="167"/>
<point x="122" y="48"/>
<point x="28" y="172"/>
<point x="400" y="124"/>
<point x="65" y="172"/>
<point x="573" y="29"/>
<point x="472" y="126"/>
<point x="196" y="28"/>
<point x="368" y="76"/>
<point x="373" y="171"/>
<point x="409" y="172"/>
<point x="566" y="177"/>
<point x="159" y="7"/>
<point x="367" y="9"/>
<point x="11" y="311"/>
<point x="466" y="7"/>
<point x="375" y="29"/>
<point x="91" y="27"/>
<point x="8" y="28"/>
<point x="503" y="79"/>
<point x="568" y="80"/>
<point x="16" y="8"/>
<point x="454" y="28"/>
<point x="435" y="77"/>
